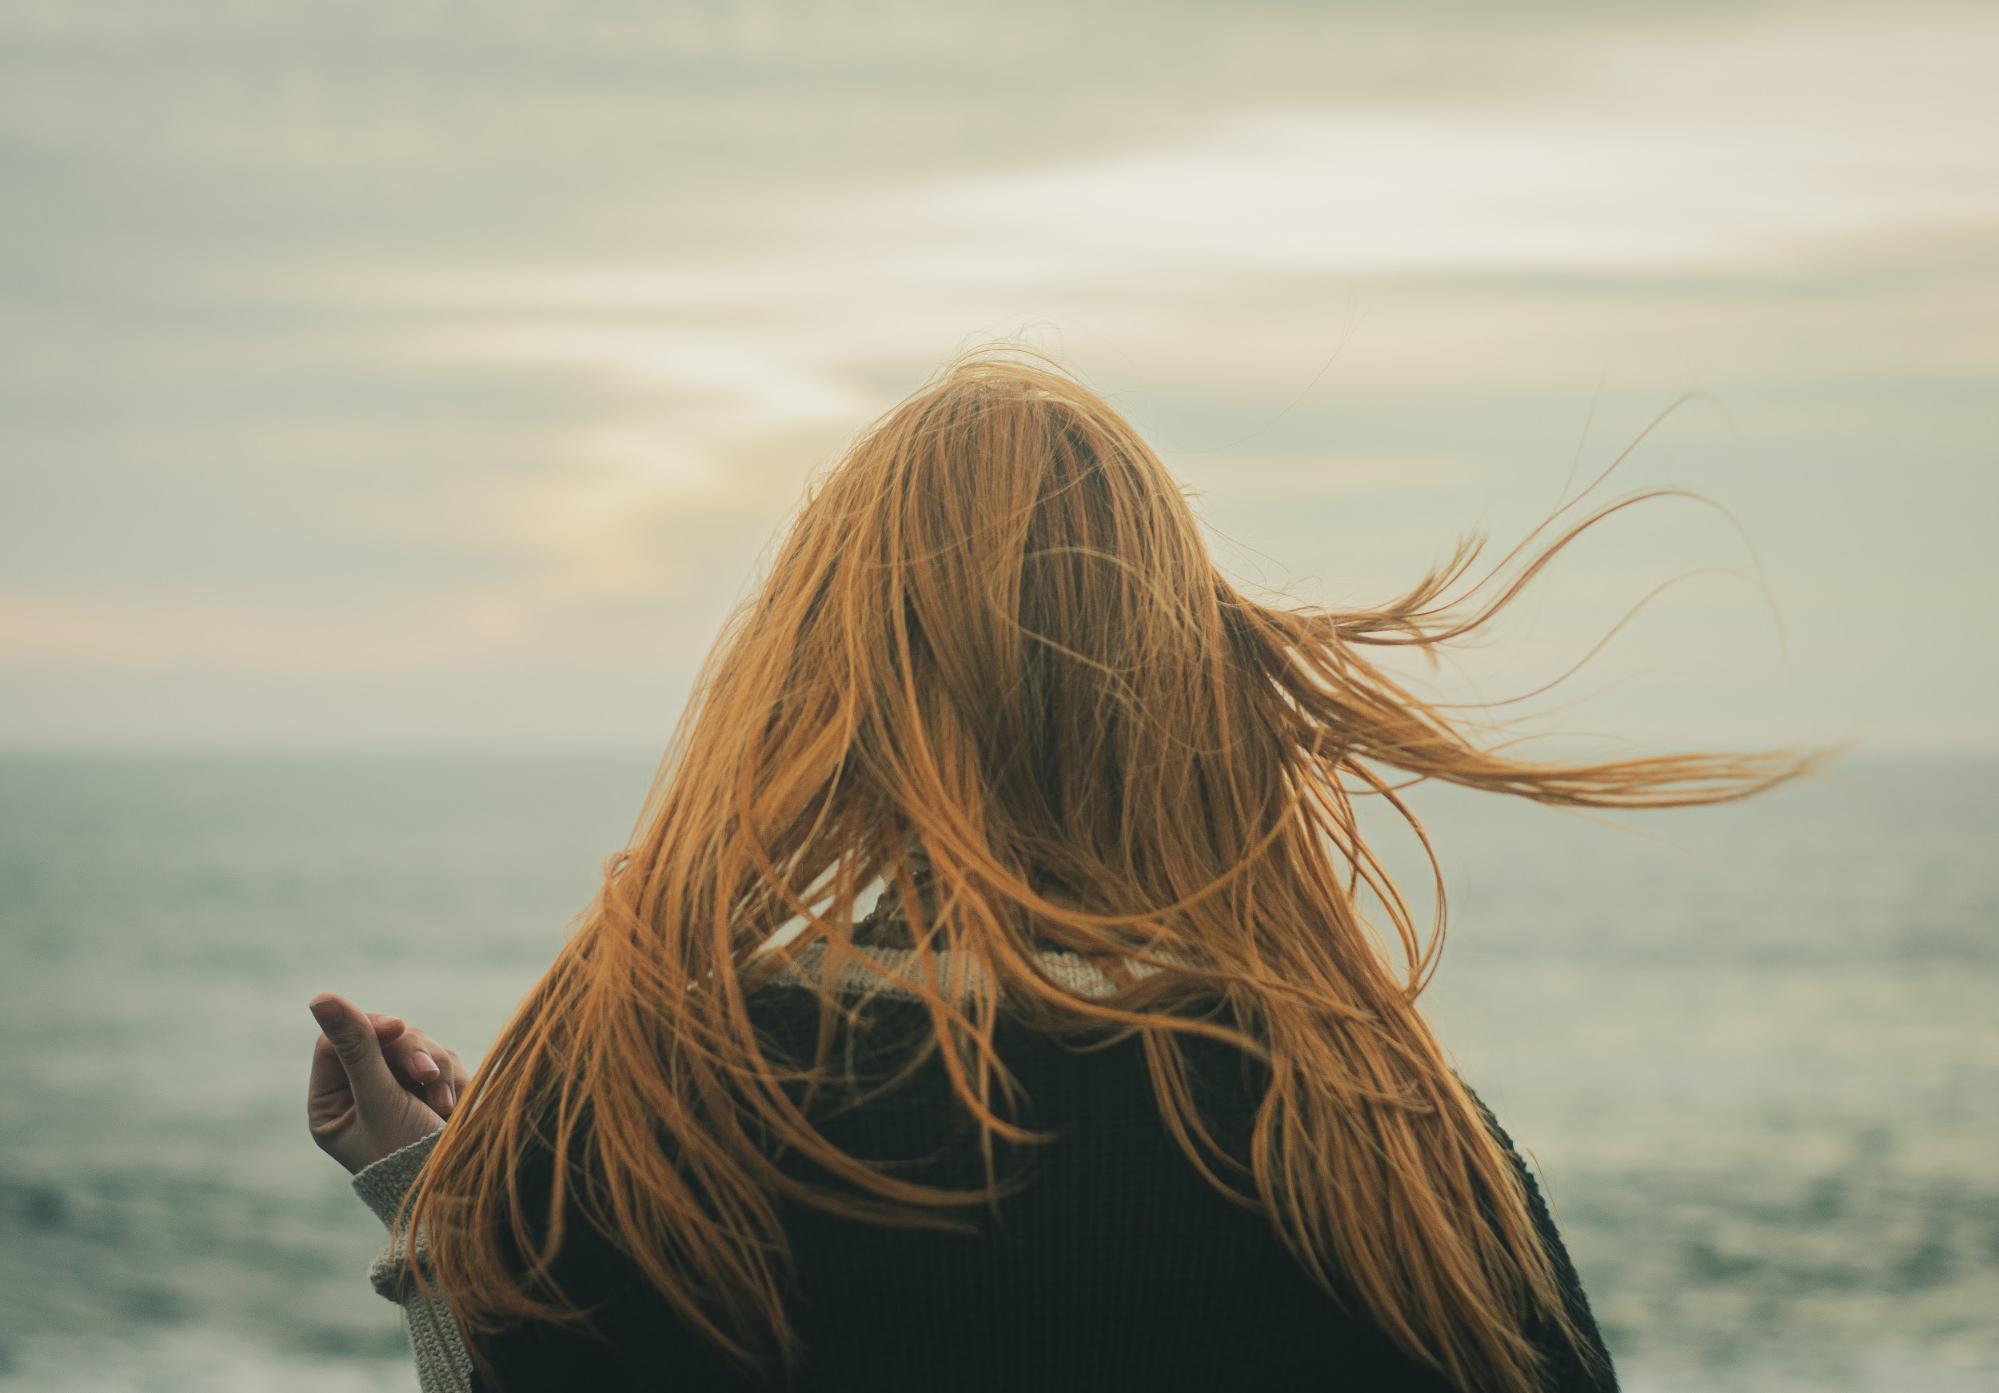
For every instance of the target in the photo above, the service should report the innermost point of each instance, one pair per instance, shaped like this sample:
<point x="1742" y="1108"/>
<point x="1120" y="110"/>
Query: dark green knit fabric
<point x="1116" y="1267"/>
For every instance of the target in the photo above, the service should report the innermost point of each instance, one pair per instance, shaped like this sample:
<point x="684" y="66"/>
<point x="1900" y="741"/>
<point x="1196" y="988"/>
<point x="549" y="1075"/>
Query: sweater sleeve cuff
<point x="382" y="1184"/>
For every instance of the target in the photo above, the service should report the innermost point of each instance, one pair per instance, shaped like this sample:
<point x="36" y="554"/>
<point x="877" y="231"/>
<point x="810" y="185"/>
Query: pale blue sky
<point x="439" y="374"/>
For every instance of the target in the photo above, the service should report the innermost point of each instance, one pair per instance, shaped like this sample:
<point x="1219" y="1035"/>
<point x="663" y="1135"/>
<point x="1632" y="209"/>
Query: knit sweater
<point x="1116" y="1266"/>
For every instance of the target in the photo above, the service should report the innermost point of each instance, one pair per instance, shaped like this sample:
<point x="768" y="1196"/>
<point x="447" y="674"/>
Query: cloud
<point x="1738" y="149"/>
<point x="1243" y="479"/>
<point x="453" y="345"/>
<point x="130" y="634"/>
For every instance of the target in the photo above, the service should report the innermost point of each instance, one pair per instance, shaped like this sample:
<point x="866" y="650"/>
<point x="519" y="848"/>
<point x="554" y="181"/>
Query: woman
<point x="1115" y="1088"/>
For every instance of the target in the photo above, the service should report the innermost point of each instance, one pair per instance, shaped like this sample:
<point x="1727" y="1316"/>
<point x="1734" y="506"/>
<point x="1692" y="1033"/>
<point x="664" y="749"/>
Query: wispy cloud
<point x="408" y="374"/>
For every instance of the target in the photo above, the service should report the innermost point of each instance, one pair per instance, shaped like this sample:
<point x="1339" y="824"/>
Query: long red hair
<point x="994" y="642"/>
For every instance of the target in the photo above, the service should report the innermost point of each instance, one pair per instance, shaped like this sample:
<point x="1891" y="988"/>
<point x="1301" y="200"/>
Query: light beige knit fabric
<point x="442" y="1365"/>
<point x="897" y="972"/>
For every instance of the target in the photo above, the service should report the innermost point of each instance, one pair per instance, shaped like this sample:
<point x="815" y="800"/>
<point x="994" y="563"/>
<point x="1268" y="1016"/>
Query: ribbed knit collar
<point x="898" y="971"/>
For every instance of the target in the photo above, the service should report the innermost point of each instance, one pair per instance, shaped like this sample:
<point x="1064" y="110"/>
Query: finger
<point x="355" y="1045"/>
<point x="456" y="1079"/>
<point x="327" y="1085"/>
<point x="442" y="1091"/>
<point x="417" y="1057"/>
<point x="329" y="1098"/>
<point x="387" y="1027"/>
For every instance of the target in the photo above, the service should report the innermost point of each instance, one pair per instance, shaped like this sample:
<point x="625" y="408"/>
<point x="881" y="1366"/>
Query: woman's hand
<point x="376" y="1085"/>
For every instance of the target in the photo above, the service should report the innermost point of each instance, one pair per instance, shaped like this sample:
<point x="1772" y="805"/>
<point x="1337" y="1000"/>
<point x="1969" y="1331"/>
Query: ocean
<point x="1753" y="1051"/>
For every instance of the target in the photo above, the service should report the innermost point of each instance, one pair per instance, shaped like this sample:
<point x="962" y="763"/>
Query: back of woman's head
<point x="993" y="648"/>
<point x="1002" y="618"/>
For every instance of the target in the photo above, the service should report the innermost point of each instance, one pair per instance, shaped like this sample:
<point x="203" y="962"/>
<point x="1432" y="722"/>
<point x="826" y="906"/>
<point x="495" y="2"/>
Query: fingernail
<point x="423" y="1066"/>
<point x="450" y="1096"/>
<point x="321" y="1007"/>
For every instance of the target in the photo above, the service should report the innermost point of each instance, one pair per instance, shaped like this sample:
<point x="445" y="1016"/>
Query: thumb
<point x="357" y="1045"/>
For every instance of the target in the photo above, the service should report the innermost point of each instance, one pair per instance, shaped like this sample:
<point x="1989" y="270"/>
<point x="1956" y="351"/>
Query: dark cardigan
<point x="1117" y="1266"/>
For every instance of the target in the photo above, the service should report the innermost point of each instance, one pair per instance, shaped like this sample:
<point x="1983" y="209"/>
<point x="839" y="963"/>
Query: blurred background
<point x="394" y="401"/>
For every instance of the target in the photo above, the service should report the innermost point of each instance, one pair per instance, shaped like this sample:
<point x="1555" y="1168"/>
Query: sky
<point x="442" y="376"/>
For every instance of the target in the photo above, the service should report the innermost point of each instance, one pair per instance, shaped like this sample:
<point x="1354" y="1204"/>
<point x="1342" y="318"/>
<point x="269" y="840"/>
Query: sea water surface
<point x="1753" y="1050"/>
